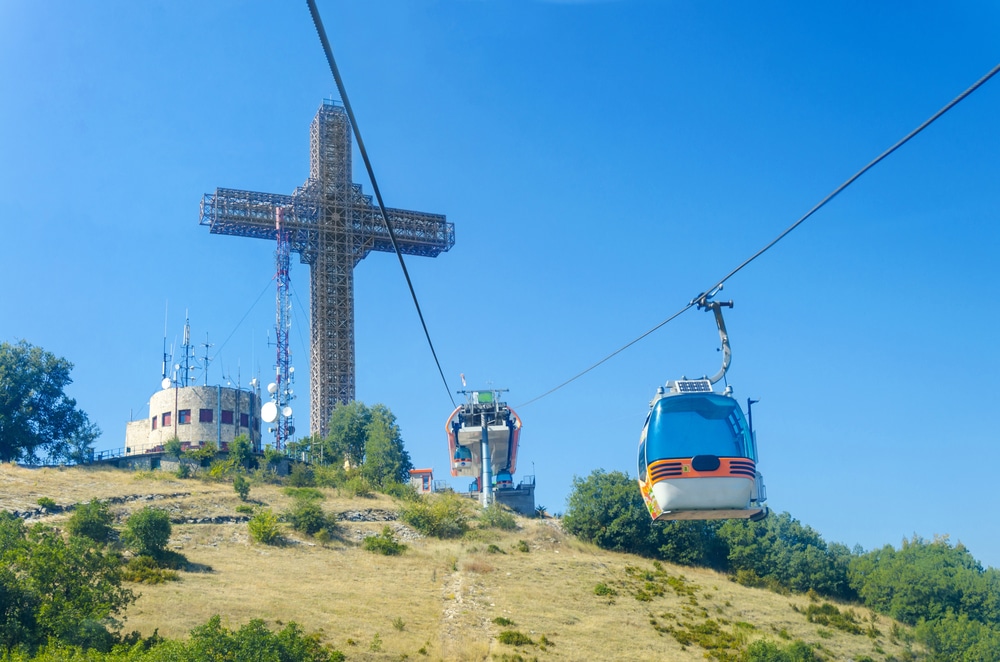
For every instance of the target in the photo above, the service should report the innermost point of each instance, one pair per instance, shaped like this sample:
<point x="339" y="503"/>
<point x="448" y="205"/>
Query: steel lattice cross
<point x="333" y="226"/>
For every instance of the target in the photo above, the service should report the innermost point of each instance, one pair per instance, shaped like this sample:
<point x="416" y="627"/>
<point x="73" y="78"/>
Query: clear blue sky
<point x="603" y="163"/>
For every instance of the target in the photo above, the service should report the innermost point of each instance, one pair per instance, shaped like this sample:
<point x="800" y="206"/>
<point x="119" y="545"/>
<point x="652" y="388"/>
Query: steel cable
<point x="715" y="288"/>
<point x="318" y="23"/>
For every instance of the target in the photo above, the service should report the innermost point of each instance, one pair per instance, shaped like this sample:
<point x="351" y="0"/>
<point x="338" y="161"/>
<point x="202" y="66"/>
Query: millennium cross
<point x="332" y="226"/>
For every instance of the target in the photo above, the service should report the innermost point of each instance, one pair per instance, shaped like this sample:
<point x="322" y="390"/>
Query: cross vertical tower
<point x="333" y="226"/>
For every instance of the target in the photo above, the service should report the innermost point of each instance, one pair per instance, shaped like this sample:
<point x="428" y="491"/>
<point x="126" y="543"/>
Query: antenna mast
<point x="279" y="411"/>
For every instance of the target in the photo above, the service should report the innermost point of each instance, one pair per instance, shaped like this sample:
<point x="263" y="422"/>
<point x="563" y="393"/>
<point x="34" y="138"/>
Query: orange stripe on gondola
<point x="729" y="467"/>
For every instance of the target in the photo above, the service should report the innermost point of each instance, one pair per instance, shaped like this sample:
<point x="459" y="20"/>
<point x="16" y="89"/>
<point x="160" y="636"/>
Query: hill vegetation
<point x="441" y="580"/>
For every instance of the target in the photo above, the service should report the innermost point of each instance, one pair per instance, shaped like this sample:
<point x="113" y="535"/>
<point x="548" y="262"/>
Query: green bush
<point x="357" y="486"/>
<point x="183" y="471"/>
<point x="768" y="651"/>
<point x="603" y="589"/>
<point x="173" y="448"/>
<point x="515" y="638"/>
<point x="308" y="493"/>
<point x="401" y="491"/>
<point x="205" y="454"/>
<point x="92" y="520"/>
<point x="384" y="543"/>
<point x="47" y="503"/>
<point x="301" y="475"/>
<point x="442" y="516"/>
<point x="329" y="475"/>
<point x="264" y="527"/>
<point x="147" y="531"/>
<point x="496" y="516"/>
<point x="146" y="570"/>
<point x="56" y="588"/>
<point x="242" y="486"/>
<point x="306" y="516"/>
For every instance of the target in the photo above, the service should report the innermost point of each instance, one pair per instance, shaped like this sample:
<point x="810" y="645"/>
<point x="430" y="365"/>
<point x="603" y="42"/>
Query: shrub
<point x="47" y="503"/>
<point x="147" y="531"/>
<point x="329" y="475"/>
<point x="173" y="448"/>
<point x="183" y="471"/>
<point x="515" y="638"/>
<point x="307" y="517"/>
<point x="301" y="475"/>
<point x="145" y="570"/>
<point x="264" y="527"/>
<point x="603" y="589"/>
<point x="205" y="454"/>
<point x="401" y="491"/>
<point x="503" y="622"/>
<point x="522" y="546"/>
<point x="242" y="486"/>
<point x="442" y="516"/>
<point x="357" y="486"/>
<point x="253" y="641"/>
<point x="384" y="543"/>
<point x="245" y="508"/>
<point x="92" y="520"/>
<point x="496" y="516"/>
<point x="309" y="493"/>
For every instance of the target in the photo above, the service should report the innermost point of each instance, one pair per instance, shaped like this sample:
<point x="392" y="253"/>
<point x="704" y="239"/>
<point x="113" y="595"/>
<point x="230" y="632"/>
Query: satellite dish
<point x="291" y="368"/>
<point x="165" y="383"/>
<point x="286" y="412"/>
<point x="253" y="383"/>
<point x="269" y="412"/>
<point x="272" y="388"/>
<point x="291" y="429"/>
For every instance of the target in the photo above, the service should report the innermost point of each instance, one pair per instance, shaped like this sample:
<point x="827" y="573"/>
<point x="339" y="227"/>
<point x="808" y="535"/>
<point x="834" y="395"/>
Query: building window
<point x="205" y="415"/>
<point x="184" y="417"/>
<point x="244" y="420"/>
<point x="227" y="416"/>
<point x="154" y="422"/>
<point x="165" y="417"/>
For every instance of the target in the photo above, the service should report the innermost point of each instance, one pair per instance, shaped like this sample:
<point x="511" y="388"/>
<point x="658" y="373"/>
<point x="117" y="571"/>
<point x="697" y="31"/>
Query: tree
<point x="789" y="553"/>
<point x="241" y="457"/>
<point x="147" y="531"/>
<point x="925" y="580"/>
<point x="55" y="587"/>
<point x="607" y="510"/>
<point x="347" y="434"/>
<point x="35" y="413"/>
<point x="92" y="520"/>
<point x="386" y="461"/>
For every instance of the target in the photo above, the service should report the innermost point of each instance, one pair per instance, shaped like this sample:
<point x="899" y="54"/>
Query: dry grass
<point x="445" y="594"/>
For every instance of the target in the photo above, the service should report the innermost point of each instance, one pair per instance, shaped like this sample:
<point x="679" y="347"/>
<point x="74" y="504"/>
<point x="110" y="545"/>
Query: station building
<point x="195" y="415"/>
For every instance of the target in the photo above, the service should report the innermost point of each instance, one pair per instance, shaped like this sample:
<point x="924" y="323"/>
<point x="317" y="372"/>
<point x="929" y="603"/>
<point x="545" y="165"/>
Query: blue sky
<point x="603" y="163"/>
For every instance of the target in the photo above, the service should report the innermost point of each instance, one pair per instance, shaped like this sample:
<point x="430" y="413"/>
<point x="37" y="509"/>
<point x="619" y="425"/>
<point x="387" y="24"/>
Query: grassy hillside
<point x="440" y="600"/>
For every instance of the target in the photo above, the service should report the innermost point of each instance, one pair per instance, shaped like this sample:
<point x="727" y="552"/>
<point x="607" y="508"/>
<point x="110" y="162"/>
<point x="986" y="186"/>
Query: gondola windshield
<point x="698" y="424"/>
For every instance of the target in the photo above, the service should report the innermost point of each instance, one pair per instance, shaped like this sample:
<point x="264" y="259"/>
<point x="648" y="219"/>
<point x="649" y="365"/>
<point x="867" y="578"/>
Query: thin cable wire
<point x="242" y="319"/>
<point x="318" y="23"/>
<point x="715" y="288"/>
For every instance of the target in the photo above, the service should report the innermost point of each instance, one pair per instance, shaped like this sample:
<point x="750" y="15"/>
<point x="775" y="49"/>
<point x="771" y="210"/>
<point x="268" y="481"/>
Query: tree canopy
<point x="36" y="415"/>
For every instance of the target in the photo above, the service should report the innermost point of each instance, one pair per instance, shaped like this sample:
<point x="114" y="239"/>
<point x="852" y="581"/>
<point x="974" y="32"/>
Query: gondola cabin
<point x="698" y="456"/>
<point x="483" y="412"/>
<point x="505" y="481"/>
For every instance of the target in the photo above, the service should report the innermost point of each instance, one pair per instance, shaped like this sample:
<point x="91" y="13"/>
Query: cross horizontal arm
<point x="251" y="214"/>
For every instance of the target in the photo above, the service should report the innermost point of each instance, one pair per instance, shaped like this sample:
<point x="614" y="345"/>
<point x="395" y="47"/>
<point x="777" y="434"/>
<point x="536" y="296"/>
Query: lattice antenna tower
<point x="279" y="410"/>
<point x="187" y="362"/>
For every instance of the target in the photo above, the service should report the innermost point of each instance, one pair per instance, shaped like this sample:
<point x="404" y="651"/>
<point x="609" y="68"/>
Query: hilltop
<point x="440" y="599"/>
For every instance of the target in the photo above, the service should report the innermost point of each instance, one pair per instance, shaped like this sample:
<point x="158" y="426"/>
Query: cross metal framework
<point x="332" y="225"/>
